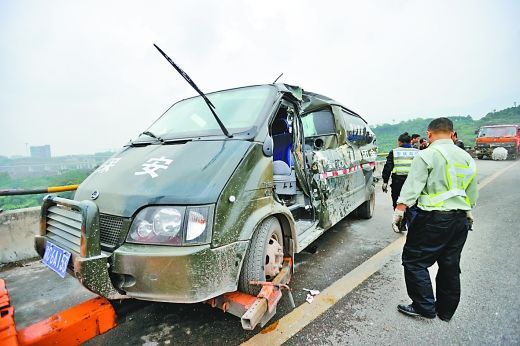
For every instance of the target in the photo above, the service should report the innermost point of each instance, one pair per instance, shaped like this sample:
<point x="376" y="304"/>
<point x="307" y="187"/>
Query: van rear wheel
<point x="264" y="257"/>
<point x="366" y="210"/>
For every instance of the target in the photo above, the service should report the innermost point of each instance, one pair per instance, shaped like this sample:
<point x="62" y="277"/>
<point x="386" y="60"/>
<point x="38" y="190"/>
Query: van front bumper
<point x="174" y="274"/>
<point x="177" y="274"/>
<point x="158" y="273"/>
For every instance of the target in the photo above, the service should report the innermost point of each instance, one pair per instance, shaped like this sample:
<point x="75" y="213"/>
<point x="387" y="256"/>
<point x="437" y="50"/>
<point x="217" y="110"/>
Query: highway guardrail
<point x="52" y="189"/>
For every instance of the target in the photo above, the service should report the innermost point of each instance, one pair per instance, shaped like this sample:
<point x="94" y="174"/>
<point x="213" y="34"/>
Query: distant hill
<point x="464" y="125"/>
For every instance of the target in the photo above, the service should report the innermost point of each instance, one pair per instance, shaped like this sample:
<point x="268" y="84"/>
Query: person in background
<point x="457" y="141"/>
<point x="397" y="167"/>
<point x="423" y="144"/>
<point x="415" y="141"/>
<point x="442" y="183"/>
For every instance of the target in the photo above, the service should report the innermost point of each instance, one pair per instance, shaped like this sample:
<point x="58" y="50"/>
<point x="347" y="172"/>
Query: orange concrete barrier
<point x="7" y="327"/>
<point x="73" y="326"/>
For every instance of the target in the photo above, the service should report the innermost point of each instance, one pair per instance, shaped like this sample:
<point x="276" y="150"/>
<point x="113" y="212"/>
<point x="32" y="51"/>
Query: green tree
<point x="24" y="201"/>
<point x="465" y="126"/>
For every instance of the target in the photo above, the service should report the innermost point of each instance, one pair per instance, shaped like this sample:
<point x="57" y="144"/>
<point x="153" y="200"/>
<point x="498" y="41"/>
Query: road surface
<point x="489" y="312"/>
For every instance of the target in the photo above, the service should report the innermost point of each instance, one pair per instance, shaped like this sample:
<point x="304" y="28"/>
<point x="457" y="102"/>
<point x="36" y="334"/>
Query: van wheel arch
<point x="288" y="235"/>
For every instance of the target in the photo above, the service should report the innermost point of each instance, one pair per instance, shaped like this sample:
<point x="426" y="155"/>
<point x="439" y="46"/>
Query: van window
<point x="239" y="110"/>
<point x="320" y="123"/>
<point x="357" y="131"/>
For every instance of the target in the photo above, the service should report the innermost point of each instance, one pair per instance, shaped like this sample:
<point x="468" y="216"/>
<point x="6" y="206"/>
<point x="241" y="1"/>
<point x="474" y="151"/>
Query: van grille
<point x="110" y="229"/>
<point x="64" y="226"/>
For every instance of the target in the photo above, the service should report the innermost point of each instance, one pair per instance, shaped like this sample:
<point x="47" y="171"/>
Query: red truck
<point x="494" y="136"/>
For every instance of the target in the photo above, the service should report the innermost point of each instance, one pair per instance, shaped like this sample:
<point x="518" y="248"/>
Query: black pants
<point x="435" y="237"/>
<point x="396" y="186"/>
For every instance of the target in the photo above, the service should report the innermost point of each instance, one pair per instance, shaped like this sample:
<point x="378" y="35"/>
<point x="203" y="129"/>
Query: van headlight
<point x="165" y="225"/>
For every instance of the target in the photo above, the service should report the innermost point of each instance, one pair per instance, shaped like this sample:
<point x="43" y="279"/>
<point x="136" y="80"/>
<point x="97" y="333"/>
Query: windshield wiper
<point x="194" y="86"/>
<point x="150" y="134"/>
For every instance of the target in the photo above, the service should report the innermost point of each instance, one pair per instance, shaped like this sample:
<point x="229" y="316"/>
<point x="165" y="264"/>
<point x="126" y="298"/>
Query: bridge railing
<point x="51" y="189"/>
<point x="18" y="227"/>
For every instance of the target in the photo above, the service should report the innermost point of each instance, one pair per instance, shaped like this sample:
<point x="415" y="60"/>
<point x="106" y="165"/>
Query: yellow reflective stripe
<point x="425" y="201"/>
<point x="448" y="176"/>
<point x="471" y="179"/>
<point x="447" y="195"/>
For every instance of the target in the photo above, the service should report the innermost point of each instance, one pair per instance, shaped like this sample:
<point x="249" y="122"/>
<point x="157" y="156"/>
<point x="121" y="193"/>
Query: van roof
<point x="311" y="101"/>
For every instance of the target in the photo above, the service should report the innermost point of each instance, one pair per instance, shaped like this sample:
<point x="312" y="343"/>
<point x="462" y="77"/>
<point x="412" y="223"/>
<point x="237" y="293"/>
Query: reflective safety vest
<point x="458" y="178"/>
<point x="403" y="158"/>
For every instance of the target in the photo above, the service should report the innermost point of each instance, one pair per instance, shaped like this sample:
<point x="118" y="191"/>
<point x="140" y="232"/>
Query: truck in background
<point x="490" y="137"/>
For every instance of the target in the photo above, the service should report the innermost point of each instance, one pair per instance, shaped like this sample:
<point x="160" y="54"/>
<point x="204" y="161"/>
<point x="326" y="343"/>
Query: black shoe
<point x="411" y="311"/>
<point x="444" y="318"/>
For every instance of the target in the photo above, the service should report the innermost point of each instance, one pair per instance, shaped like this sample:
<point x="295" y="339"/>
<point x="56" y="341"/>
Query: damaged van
<point x="187" y="212"/>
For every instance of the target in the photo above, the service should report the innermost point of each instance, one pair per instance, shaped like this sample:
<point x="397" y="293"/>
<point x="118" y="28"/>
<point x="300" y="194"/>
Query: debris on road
<point x="499" y="154"/>
<point x="311" y="294"/>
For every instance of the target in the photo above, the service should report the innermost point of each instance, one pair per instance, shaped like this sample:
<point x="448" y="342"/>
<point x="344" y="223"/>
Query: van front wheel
<point x="264" y="257"/>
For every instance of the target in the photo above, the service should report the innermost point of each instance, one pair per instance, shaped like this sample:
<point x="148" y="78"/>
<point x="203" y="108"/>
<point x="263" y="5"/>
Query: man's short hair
<point x="441" y="125"/>
<point x="404" y="138"/>
<point x="415" y="135"/>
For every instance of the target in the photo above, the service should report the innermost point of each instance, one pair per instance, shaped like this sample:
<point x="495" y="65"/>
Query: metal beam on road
<point x="283" y="329"/>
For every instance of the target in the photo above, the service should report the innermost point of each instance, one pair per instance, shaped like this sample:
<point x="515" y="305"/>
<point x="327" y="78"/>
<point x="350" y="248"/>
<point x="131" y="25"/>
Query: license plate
<point x="56" y="258"/>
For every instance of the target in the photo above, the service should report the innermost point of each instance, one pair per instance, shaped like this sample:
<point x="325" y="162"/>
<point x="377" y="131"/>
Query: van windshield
<point x="239" y="110"/>
<point x="502" y="131"/>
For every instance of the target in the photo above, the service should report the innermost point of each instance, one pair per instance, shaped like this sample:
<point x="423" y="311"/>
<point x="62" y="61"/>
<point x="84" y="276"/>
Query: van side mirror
<point x="267" y="148"/>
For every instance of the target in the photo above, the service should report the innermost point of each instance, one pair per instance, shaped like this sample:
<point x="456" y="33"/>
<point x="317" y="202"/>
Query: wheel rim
<point x="273" y="257"/>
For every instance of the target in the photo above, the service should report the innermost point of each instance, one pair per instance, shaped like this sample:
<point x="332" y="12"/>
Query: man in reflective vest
<point x="398" y="163"/>
<point x="442" y="183"/>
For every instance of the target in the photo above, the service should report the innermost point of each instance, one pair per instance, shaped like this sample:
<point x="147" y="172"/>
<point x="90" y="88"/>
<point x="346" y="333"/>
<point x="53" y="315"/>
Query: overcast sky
<point x="85" y="77"/>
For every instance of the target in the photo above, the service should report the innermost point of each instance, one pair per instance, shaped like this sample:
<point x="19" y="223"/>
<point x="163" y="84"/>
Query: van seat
<point x="284" y="178"/>
<point x="281" y="168"/>
<point x="282" y="141"/>
<point x="282" y="148"/>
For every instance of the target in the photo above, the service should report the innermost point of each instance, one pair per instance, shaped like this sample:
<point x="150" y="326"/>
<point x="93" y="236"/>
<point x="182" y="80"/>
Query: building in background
<point x="31" y="166"/>
<point x="41" y="152"/>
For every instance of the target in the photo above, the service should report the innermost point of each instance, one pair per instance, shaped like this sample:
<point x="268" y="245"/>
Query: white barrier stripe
<point x="345" y="171"/>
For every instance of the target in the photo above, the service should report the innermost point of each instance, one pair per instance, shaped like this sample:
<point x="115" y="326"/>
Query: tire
<point x="259" y="263"/>
<point x="480" y="157"/>
<point x="366" y="210"/>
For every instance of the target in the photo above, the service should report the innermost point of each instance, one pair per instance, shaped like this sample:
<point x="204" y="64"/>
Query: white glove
<point x="469" y="216"/>
<point x="397" y="219"/>
<point x="385" y="187"/>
